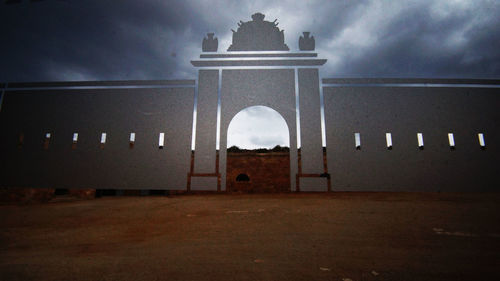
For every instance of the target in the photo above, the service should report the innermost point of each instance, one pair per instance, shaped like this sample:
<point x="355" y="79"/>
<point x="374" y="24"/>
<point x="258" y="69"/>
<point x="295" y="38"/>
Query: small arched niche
<point x="242" y="178"/>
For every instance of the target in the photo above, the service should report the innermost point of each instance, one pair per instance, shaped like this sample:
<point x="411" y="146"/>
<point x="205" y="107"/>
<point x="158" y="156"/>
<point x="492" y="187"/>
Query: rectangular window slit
<point x="46" y="141"/>
<point x="75" y="140"/>
<point x="388" y="140"/>
<point x="131" y="140"/>
<point x="103" y="140"/>
<point x="451" y="140"/>
<point x="357" y="140"/>
<point x="420" y="139"/>
<point x="161" y="140"/>
<point x="480" y="136"/>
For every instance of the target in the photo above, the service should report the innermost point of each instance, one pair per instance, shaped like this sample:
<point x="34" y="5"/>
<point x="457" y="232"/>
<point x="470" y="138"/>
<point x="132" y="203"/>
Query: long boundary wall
<point x="34" y="159"/>
<point x="404" y="108"/>
<point x="370" y="107"/>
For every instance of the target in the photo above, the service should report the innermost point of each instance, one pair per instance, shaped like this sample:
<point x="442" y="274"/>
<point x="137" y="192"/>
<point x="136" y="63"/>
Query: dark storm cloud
<point x="94" y="39"/>
<point x="153" y="39"/>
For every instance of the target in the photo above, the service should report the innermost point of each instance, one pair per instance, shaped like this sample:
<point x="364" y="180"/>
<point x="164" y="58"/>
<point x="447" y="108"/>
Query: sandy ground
<point x="339" y="236"/>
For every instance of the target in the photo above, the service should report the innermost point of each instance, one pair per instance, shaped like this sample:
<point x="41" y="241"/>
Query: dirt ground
<point x="338" y="236"/>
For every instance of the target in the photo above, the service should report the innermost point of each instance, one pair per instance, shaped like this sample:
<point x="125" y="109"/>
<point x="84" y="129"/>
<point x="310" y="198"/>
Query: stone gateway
<point x="357" y="134"/>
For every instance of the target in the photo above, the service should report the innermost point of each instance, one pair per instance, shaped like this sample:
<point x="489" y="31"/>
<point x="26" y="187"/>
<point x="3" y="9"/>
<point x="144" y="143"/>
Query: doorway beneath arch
<point x="258" y="154"/>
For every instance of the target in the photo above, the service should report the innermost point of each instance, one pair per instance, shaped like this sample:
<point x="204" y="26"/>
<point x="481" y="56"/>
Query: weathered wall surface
<point x="206" y="125"/>
<point x="404" y="112"/>
<point x="89" y="112"/>
<point x="206" y="130"/>
<point x="310" y="130"/>
<point x="268" y="172"/>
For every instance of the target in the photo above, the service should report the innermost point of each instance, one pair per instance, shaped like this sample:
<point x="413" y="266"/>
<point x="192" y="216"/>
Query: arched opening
<point x="242" y="177"/>
<point x="258" y="142"/>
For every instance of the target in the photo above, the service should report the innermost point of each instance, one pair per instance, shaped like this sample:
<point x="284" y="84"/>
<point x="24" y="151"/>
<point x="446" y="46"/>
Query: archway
<point x="258" y="142"/>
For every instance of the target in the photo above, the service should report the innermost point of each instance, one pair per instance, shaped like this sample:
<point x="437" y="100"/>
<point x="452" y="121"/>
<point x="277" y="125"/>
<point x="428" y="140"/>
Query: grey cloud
<point x="267" y="141"/>
<point x="259" y="111"/>
<point x="416" y="43"/>
<point x="258" y="127"/>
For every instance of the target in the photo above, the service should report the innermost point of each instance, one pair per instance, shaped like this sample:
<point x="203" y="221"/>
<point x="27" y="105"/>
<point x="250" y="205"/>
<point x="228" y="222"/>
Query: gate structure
<point x="380" y="134"/>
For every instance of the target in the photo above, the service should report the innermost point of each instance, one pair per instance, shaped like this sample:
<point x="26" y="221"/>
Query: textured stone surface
<point x="268" y="172"/>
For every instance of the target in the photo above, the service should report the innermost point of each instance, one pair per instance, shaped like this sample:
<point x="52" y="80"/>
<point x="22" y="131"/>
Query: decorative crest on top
<point x="258" y="35"/>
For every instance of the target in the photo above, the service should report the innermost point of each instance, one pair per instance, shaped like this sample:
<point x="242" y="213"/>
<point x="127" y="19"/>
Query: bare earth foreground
<point x="359" y="236"/>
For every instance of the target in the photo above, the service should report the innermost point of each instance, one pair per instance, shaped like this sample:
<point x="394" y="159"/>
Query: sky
<point x="62" y="40"/>
<point x="258" y="127"/>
